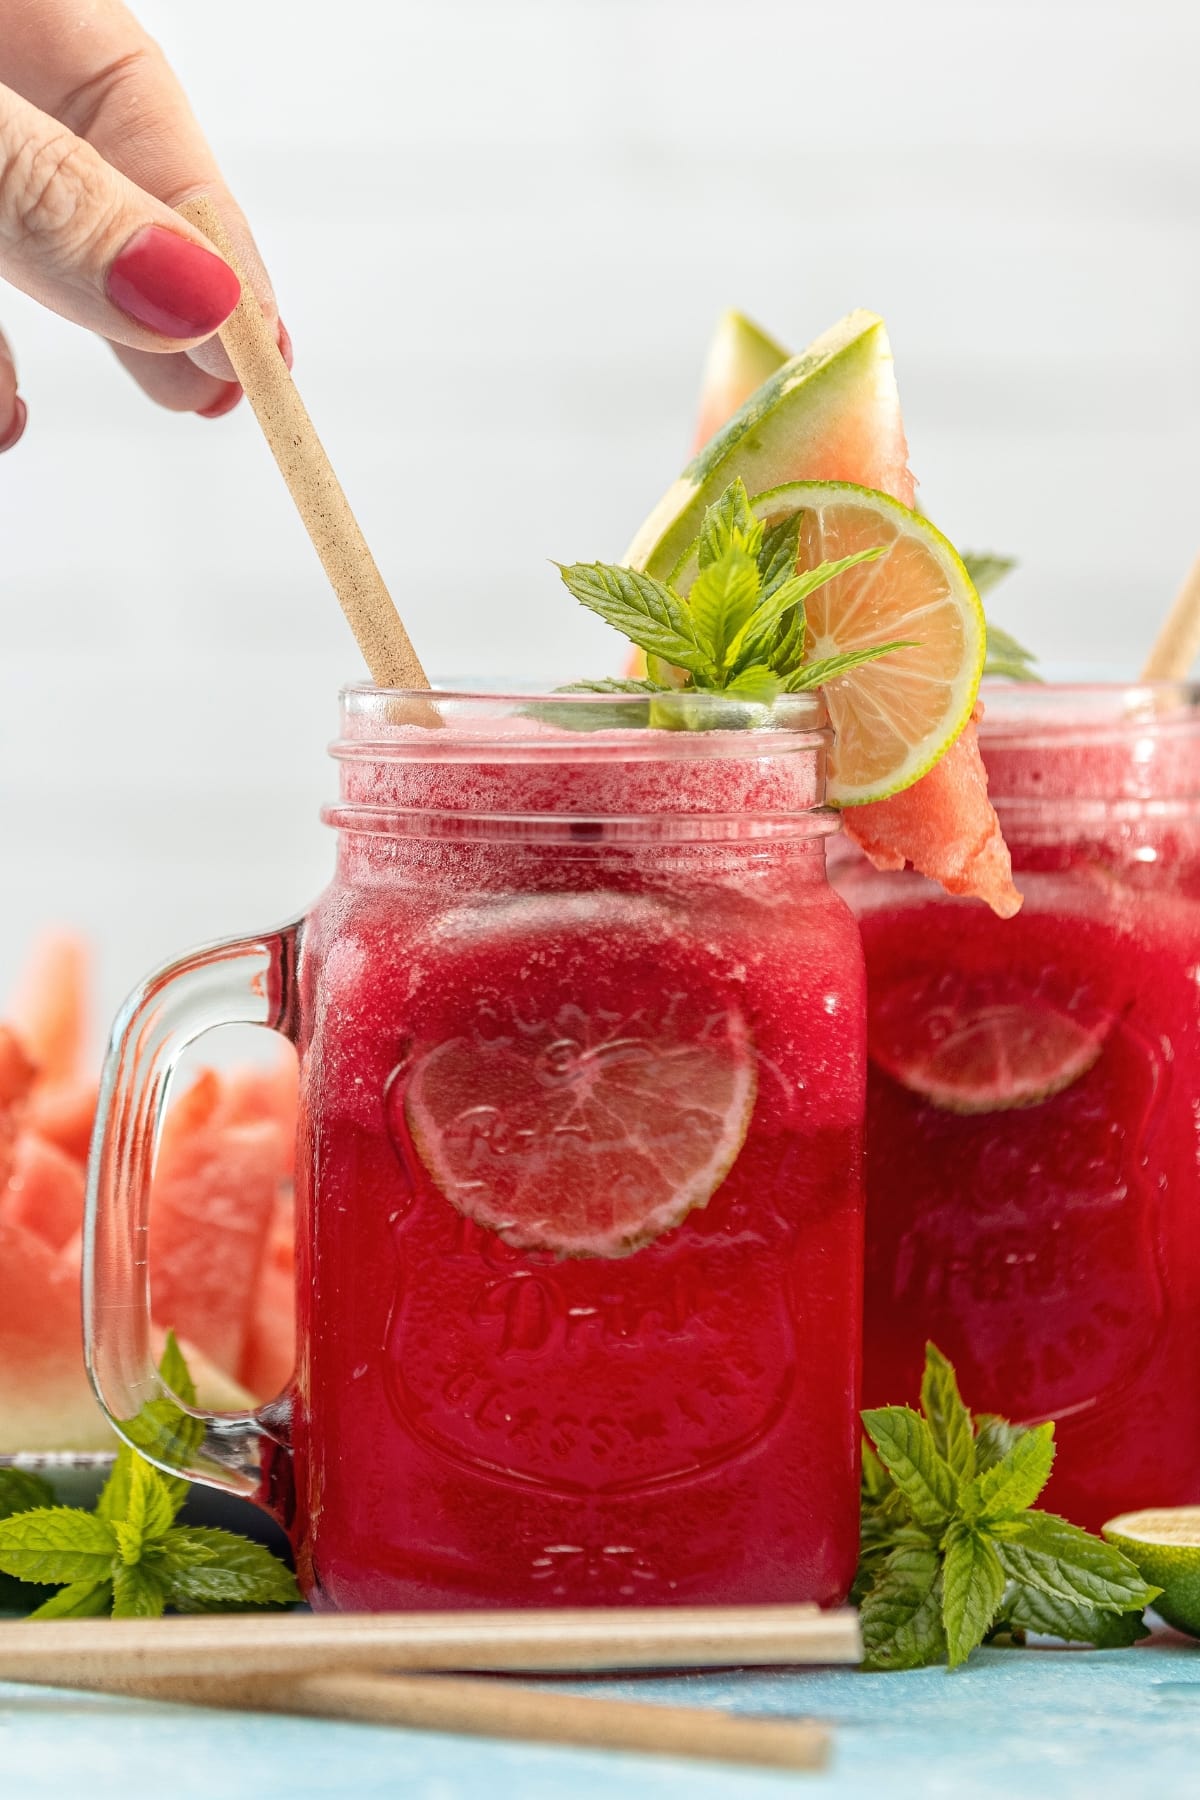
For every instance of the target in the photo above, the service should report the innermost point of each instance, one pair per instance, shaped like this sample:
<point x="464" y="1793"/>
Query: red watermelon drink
<point x="582" y="1070"/>
<point x="1033" y="1095"/>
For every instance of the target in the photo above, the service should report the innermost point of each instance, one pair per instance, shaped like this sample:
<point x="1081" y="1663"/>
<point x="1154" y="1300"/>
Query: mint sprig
<point x="1006" y="658"/>
<point x="740" y="629"/>
<point x="129" y="1557"/>
<point x="953" y="1551"/>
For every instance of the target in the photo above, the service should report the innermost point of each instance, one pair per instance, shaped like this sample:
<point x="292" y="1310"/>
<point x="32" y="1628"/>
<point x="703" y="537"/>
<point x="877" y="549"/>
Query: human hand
<point x="97" y="145"/>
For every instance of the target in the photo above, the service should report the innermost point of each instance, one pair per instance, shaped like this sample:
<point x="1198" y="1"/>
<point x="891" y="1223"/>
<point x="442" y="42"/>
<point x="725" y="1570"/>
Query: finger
<point x="105" y="78"/>
<point x="12" y="407"/>
<point x="82" y="239"/>
<point x="176" y="383"/>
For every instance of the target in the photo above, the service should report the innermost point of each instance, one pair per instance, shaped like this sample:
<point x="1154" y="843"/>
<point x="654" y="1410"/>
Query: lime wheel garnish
<point x="595" y="1092"/>
<point x="982" y="1043"/>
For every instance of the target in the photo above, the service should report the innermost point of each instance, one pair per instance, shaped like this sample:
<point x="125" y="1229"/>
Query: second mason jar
<point x="1033" y="1098"/>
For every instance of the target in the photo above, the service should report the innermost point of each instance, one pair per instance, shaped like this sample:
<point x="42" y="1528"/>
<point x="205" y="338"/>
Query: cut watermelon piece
<point x="63" y="1113"/>
<point x="740" y="358"/>
<point x="50" y="1009"/>
<point x="834" y="414"/>
<point x="44" y="1191"/>
<point x="47" y="1401"/>
<point x="17" y="1075"/>
<point x="945" y="827"/>
<point x="211" y="1207"/>
<point x="251" y="1095"/>
<point x="830" y="414"/>
<point x="271" y="1341"/>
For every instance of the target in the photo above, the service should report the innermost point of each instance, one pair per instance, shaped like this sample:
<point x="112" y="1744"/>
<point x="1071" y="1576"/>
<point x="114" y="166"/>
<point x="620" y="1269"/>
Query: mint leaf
<point x="932" y="1530"/>
<point x="758" y="684"/>
<point x="175" y="1372"/>
<point x="791" y="641"/>
<point x="729" y="523"/>
<point x="644" y="610"/>
<point x="54" y="1544"/>
<point x="206" y="1570"/>
<point x="722" y="598"/>
<point x="755" y="638"/>
<point x="948" y="1418"/>
<point x="994" y="1438"/>
<point x="901" y="1614"/>
<point x="149" y="1514"/>
<point x="972" y="1588"/>
<point x="905" y="1445"/>
<point x="137" y="1592"/>
<point x="114" y="1495"/>
<point x="612" y="684"/>
<point x="1044" y="1552"/>
<point x="986" y="569"/>
<point x="816" y="674"/>
<point x="1027" y="1609"/>
<point x="1008" y="659"/>
<point x="21" y="1492"/>
<point x="1014" y="1483"/>
<point x="81" y="1600"/>
<point x="876" y="1482"/>
<point x="779" y="554"/>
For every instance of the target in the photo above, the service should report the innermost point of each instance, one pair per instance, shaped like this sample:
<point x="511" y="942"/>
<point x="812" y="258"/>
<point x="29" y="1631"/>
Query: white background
<point x="501" y="231"/>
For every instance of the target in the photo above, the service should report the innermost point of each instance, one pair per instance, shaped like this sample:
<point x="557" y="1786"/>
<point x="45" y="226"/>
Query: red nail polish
<point x="224" y="403"/>
<point x="173" y="286"/>
<point x="16" y="430"/>
<point x="284" y="341"/>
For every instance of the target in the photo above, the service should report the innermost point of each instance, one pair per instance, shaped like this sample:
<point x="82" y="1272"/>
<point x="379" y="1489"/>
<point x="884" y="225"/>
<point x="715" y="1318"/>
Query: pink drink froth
<point x="478" y="1424"/>
<point x="1052" y="1251"/>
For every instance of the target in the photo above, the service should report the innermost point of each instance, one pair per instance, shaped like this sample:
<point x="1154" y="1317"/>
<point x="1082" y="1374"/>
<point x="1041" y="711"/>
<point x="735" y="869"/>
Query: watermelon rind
<point x="765" y="442"/>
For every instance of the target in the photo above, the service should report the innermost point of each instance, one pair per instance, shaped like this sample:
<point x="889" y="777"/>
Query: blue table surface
<point x="1075" y="1724"/>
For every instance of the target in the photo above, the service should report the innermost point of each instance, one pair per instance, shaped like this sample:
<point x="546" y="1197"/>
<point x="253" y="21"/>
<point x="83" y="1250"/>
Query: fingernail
<point x="16" y="430"/>
<point x="285" y="344"/>
<point x="224" y="403"/>
<point x="175" y="287"/>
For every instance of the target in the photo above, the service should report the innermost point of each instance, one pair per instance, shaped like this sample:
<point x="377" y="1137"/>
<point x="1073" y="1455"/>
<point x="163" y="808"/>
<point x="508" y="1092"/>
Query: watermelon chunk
<point x="269" y="1357"/>
<point x="221" y="1238"/>
<point x="833" y="414"/>
<point x="50" y="1008"/>
<point x="44" y="1192"/>
<point x="211" y="1206"/>
<point x="63" y="1113"/>
<point x="740" y="358"/>
<point x="17" y="1075"/>
<point x="945" y="827"/>
<point x="830" y="414"/>
<point x="46" y="1399"/>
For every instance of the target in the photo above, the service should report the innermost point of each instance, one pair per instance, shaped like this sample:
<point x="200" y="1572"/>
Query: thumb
<point x="83" y="240"/>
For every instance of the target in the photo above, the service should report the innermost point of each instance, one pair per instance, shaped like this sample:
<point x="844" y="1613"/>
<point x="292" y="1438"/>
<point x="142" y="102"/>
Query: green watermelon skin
<point x="740" y="358"/>
<point x="830" y="414"/>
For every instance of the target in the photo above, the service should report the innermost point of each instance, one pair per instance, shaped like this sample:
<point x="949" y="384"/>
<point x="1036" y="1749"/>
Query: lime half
<point x="1164" y="1544"/>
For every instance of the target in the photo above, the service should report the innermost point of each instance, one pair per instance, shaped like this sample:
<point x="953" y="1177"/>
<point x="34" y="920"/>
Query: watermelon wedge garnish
<point x="740" y="358"/>
<point x="833" y="414"/>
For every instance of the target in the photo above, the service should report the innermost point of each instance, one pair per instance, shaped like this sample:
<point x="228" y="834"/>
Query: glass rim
<point x="457" y="725"/>
<point x="1025" y="709"/>
<point x="1134" y="736"/>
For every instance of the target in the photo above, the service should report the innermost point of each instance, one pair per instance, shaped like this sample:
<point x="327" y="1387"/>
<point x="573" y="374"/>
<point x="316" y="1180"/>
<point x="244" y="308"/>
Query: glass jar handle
<point x="248" y="981"/>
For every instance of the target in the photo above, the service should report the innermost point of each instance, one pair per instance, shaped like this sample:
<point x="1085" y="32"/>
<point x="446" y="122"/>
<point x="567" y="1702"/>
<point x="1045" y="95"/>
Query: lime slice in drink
<point x="981" y="1043"/>
<point x="587" y="1090"/>
<point x="1164" y="1544"/>
<point x="893" y="718"/>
